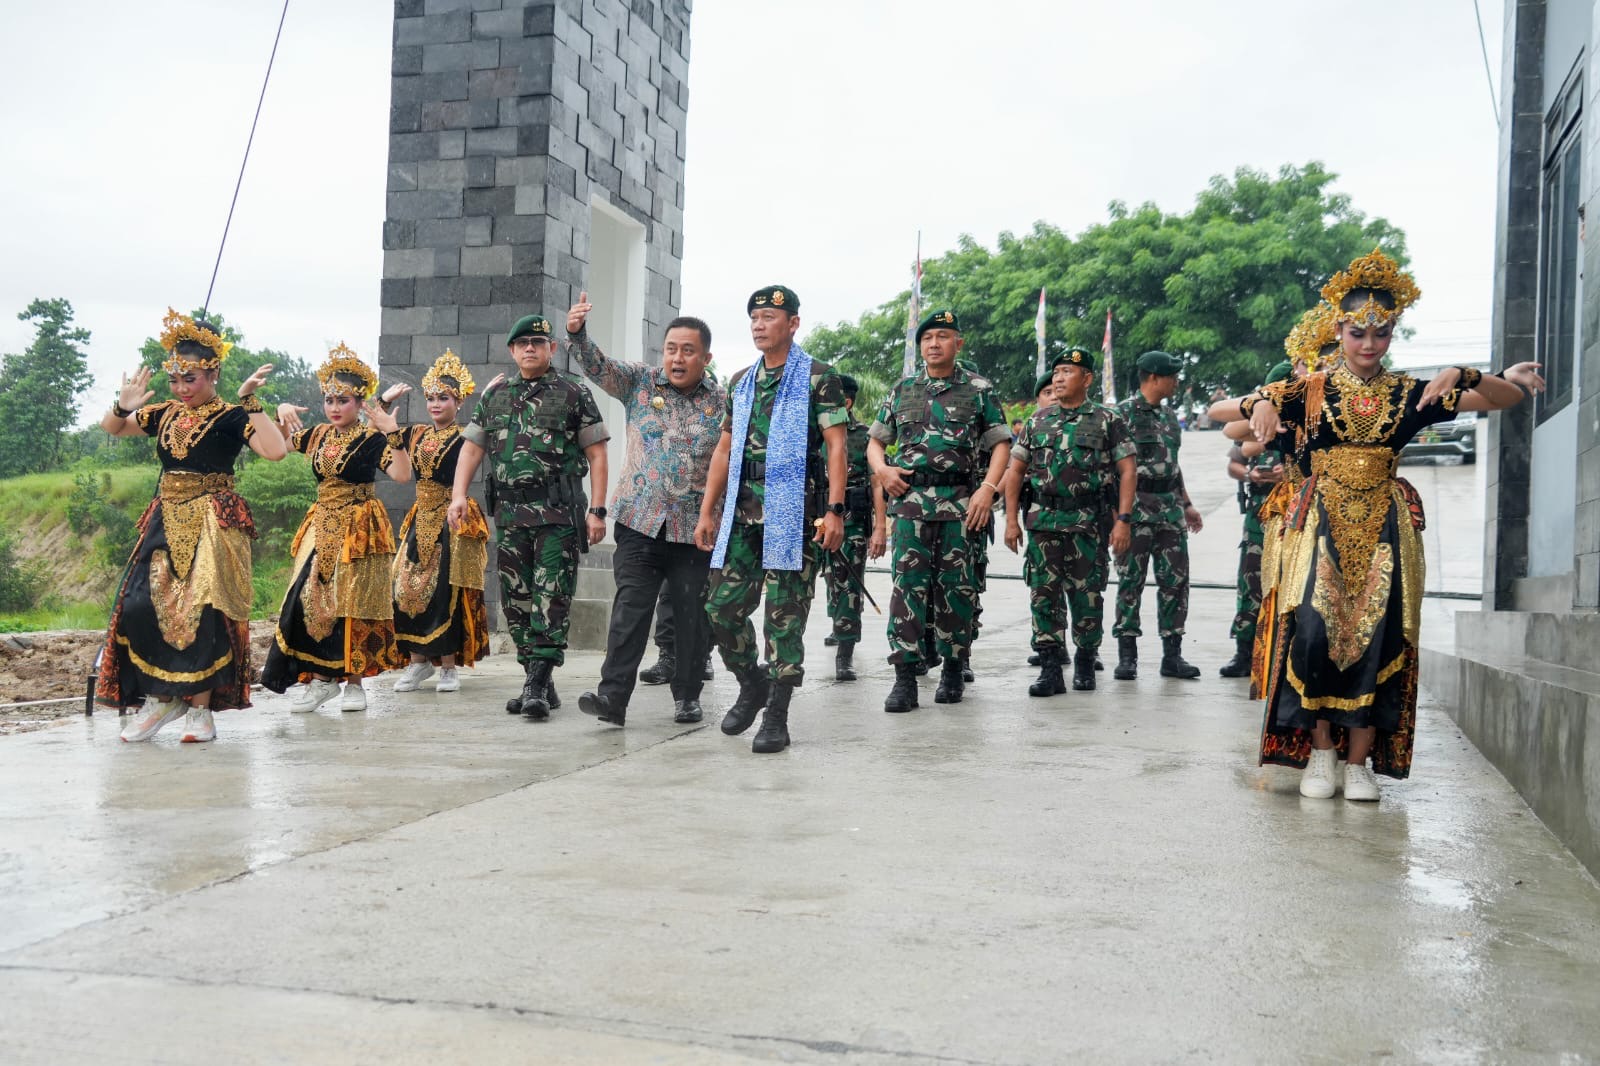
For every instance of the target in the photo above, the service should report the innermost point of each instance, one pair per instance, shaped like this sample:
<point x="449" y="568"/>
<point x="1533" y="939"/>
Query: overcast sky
<point x="823" y="135"/>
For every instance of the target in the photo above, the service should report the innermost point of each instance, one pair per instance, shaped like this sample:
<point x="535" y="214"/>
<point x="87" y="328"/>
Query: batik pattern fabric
<point x="438" y="573"/>
<point x="180" y="623"/>
<point x="337" y="618"/>
<point x="1348" y="597"/>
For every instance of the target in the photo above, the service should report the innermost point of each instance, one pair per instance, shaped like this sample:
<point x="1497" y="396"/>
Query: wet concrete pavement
<point x="1103" y="877"/>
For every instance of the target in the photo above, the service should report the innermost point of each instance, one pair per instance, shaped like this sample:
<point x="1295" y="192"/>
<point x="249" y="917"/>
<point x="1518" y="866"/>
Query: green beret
<point x="1280" y="372"/>
<point x="849" y="385"/>
<point x="938" y="320"/>
<point x="1043" y="382"/>
<point x="1076" y="357"/>
<point x="529" y="326"/>
<point x="780" y="296"/>
<point x="1159" y="363"/>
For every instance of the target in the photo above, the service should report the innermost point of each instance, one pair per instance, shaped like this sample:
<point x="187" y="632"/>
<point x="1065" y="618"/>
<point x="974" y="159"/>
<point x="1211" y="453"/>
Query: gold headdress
<point x="448" y="365"/>
<point x="1373" y="271"/>
<point x="341" y="360"/>
<point x="176" y="328"/>
<point x="1316" y="330"/>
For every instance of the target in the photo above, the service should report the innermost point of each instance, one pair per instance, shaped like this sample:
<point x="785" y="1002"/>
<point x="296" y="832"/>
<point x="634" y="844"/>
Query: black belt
<point x="1074" y="501"/>
<point x="1158" y="484"/>
<point x="928" y="479"/>
<point x="751" y="470"/>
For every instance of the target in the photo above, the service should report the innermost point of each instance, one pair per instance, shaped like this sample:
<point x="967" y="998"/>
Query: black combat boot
<point x="1172" y="662"/>
<point x="930" y="653"/>
<point x="830" y="641"/>
<point x="707" y="673"/>
<point x="754" y="690"/>
<point x="1083" y="670"/>
<point x="903" y="697"/>
<point x="1050" y="682"/>
<point x="602" y="708"/>
<point x="535" y="708"/>
<point x="529" y="691"/>
<point x="659" y="674"/>
<point x="843" y="668"/>
<point x="950" y="684"/>
<point x="967" y="676"/>
<point x="1034" y="660"/>
<point x="1239" y="665"/>
<point x="1127" y="659"/>
<point x="550" y="696"/>
<point x="774" y="732"/>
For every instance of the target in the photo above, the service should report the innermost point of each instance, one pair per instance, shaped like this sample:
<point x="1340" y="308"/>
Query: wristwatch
<point x="837" y="508"/>
<point x="1125" y="517"/>
<point x="598" y="512"/>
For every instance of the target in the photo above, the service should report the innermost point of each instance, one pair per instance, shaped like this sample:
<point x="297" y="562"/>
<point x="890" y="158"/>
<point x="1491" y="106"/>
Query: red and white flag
<point x="1107" y="376"/>
<point x="914" y="313"/>
<point x="1038" y="336"/>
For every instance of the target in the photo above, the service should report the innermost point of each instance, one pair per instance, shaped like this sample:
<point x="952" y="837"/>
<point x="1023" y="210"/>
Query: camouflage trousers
<point x="1169" y="546"/>
<point x="1247" y="602"/>
<point x="978" y="560"/>
<point x="933" y="585"/>
<point x="844" y="595"/>
<point x="538" y="574"/>
<point x="1065" y="572"/>
<point x="733" y="593"/>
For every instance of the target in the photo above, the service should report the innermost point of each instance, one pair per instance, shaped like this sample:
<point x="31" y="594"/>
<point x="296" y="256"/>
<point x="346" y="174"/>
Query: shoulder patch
<point x="979" y="382"/>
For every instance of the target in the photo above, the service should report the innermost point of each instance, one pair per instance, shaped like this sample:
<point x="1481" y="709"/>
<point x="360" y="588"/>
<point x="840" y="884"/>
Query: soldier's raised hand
<point x="579" y="313"/>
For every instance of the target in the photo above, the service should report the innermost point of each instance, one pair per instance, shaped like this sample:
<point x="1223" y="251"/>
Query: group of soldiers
<point x="799" y="485"/>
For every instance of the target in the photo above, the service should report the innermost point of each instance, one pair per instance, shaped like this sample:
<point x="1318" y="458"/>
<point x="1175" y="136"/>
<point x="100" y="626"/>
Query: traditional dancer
<point x="179" y="638"/>
<point x="439" y="616"/>
<point x="337" y="618"/>
<point x="1343" y="673"/>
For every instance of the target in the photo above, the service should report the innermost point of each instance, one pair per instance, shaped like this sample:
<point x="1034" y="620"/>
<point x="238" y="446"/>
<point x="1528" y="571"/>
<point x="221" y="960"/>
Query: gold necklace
<point x="182" y="430"/>
<point x="431" y="449"/>
<point x="1364" y="411"/>
<point x="335" y="449"/>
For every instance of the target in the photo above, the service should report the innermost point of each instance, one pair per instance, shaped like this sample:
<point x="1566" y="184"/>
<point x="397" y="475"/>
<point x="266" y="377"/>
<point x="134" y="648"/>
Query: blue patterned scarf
<point x="783" y="533"/>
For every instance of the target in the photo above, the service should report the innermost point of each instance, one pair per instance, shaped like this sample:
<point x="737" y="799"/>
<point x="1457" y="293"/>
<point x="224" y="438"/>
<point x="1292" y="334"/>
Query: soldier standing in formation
<point x="760" y="504"/>
<point x="865" y="536"/>
<point x="1256" y="472"/>
<point x="942" y="418"/>
<point x="541" y="431"/>
<point x="1161" y="513"/>
<point x="1065" y="459"/>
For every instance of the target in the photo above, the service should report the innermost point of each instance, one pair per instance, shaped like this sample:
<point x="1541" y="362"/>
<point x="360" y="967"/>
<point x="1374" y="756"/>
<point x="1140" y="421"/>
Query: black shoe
<point x="773" y="736"/>
<point x="843" y="667"/>
<point x="950" y="686"/>
<point x="535" y="708"/>
<point x="1127" y="659"/>
<point x="1239" y="665"/>
<point x="688" y="712"/>
<point x="1172" y="661"/>
<point x="707" y="673"/>
<point x="903" y="697"/>
<point x="754" y="691"/>
<point x="967" y="676"/>
<point x="1050" y="682"/>
<point x="597" y="705"/>
<point x="660" y="673"/>
<point x="1083" y="670"/>
<point x="920" y="669"/>
<point x="1033" y="660"/>
<point x="830" y="641"/>
<point x="1098" y="665"/>
<point x="550" y="696"/>
<point x="514" y="704"/>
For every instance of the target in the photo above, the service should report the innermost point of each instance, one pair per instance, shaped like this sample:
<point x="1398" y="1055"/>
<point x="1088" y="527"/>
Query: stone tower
<point x="536" y="149"/>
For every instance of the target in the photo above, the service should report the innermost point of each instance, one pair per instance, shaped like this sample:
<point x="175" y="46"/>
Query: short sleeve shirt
<point x="1070" y="458"/>
<point x="534" y="432"/>
<point x="942" y="426"/>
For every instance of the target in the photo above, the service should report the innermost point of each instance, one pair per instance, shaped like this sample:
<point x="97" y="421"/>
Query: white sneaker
<point x="355" y="697"/>
<point x="414" y="675"/>
<point x="1338" y="770"/>
<point x="315" y="695"/>
<point x="150" y="718"/>
<point x="449" y="680"/>
<point x="1317" y="781"/>
<point x="1360" y="783"/>
<point x="198" y="726"/>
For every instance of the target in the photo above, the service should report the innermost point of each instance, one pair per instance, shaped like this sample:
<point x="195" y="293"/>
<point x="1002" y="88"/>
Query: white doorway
<point x="616" y="288"/>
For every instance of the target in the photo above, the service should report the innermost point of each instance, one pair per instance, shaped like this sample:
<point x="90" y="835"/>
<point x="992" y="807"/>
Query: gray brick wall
<point x="1586" y="532"/>
<point x="506" y="118"/>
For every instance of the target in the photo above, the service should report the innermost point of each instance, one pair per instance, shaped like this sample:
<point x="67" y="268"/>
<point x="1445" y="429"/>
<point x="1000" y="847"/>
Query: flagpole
<point x="1108" y="375"/>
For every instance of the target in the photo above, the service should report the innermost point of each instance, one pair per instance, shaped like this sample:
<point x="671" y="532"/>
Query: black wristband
<point x="1470" y="377"/>
<point x="118" y="410"/>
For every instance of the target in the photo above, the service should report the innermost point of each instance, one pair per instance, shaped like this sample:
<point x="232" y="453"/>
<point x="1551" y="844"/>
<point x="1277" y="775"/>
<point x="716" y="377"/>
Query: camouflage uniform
<point x="1247" y="601"/>
<point x="1158" y="528"/>
<point x="534" y="433"/>
<point x="1070" y="458"/>
<point x="846" y="566"/>
<point x="737" y="588"/>
<point x="942" y="425"/>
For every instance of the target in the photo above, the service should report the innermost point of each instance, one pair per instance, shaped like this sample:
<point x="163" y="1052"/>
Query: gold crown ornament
<point x="448" y="365"/>
<point x="175" y="329"/>
<point x="341" y="360"/>
<point x="1316" y="329"/>
<point x="1378" y="272"/>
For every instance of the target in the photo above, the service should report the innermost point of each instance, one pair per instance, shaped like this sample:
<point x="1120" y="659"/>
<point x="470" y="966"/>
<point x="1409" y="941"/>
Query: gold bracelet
<point x="397" y="440"/>
<point x="252" y="404"/>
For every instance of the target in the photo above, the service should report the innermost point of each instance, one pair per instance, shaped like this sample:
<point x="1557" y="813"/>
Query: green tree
<point x="39" y="390"/>
<point x="1220" y="285"/>
<point x="20" y="583"/>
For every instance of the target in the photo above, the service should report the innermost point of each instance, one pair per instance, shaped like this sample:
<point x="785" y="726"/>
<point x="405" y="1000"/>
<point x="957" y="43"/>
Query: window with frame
<point x="1560" y="237"/>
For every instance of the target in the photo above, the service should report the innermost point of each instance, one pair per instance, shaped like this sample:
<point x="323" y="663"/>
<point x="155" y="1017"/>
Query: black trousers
<point x="666" y="638"/>
<point x="642" y="566"/>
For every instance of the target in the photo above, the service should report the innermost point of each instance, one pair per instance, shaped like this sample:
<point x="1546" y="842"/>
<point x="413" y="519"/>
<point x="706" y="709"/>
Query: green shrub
<point x="20" y="583"/>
